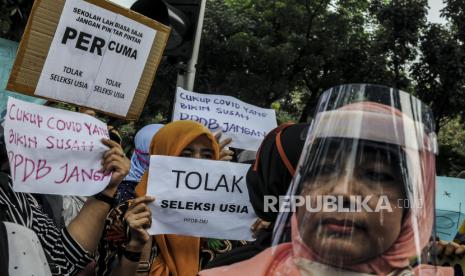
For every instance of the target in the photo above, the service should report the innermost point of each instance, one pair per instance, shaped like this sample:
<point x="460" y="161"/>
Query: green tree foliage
<point x="247" y="49"/>
<point x="440" y="82"/>
<point x="263" y="50"/>
<point x="451" y="159"/>
<point x="439" y="74"/>
<point x="397" y="35"/>
<point x="13" y="18"/>
<point x="455" y="12"/>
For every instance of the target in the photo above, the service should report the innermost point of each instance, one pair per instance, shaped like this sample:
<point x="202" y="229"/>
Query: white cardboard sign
<point x="54" y="151"/>
<point x="96" y="58"/>
<point x="246" y="124"/>
<point x="201" y="198"/>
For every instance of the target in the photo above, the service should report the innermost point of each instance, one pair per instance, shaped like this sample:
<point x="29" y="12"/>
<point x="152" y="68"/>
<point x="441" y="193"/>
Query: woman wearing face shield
<point x="364" y="191"/>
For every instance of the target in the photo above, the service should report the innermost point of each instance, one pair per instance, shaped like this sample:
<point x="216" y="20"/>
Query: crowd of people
<point x="365" y="142"/>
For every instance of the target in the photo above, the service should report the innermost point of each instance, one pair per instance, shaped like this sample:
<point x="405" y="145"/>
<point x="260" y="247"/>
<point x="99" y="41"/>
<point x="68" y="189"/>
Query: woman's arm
<point x="138" y="218"/>
<point x="87" y="226"/>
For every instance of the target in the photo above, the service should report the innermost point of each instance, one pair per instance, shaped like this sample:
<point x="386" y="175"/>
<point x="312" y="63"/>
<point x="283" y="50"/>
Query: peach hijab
<point x="289" y="258"/>
<point x="177" y="255"/>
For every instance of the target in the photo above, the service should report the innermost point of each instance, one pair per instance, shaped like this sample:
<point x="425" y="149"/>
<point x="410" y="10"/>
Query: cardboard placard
<point x="43" y="26"/>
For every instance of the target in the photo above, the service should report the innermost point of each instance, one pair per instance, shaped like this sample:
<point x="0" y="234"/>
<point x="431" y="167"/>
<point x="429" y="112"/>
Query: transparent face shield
<point x="362" y="198"/>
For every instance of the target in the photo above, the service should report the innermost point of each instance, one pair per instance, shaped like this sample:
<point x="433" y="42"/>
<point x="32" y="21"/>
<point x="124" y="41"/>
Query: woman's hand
<point x="114" y="160"/>
<point x="258" y="225"/>
<point x="449" y="249"/>
<point x="139" y="218"/>
<point x="225" y="153"/>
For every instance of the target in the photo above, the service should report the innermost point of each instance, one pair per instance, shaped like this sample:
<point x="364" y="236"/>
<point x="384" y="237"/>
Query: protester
<point x="274" y="166"/>
<point x="114" y="239"/>
<point x="137" y="218"/>
<point x="115" y="233"/>
<point x="179" y="255"/>
<point x="164" y="254"/>
<point x="68" y="250"/>
<point x="140" y="160"/>
<point x="270" y="174"/>
<point x="371" y="143"/>
<point x="21" y="251"/>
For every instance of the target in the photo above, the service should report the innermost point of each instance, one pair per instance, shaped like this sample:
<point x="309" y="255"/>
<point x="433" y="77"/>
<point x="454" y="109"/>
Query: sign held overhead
<point x="92" y="53"/>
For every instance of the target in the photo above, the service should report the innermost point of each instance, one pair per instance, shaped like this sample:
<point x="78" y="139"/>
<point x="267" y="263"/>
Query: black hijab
<point x="274" y="166"/>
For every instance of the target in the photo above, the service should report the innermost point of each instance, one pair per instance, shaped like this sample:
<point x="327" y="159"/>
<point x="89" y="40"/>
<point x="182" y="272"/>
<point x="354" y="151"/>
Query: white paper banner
<point x="54" y="151"/>
<point x="246" y="124"/>
<point x="201" y="198"/>
<point x="96" y="58"/>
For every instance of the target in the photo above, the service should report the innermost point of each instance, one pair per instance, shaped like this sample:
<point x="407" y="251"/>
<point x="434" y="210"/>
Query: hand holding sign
<point x="449" y="249"/>
<point x="115" y="162"/>
<point x="225" y="153"/>
<point x="139" y="218"/>
<point x="450" y="254"/>
<point x="258" y="225"/>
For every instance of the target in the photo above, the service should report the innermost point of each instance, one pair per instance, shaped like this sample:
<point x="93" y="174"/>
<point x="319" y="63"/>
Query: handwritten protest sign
<point x="201" y="198"/>
<point x="54" y="151"/>
<point x="90" y="53"/>
<point x="246" y="124"/>
<point x="450" y="206"/>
